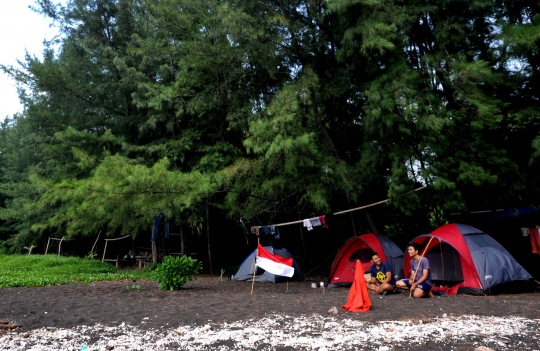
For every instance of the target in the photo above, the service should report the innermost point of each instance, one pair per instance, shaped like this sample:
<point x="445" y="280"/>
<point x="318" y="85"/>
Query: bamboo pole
<point x="377" y="203"/>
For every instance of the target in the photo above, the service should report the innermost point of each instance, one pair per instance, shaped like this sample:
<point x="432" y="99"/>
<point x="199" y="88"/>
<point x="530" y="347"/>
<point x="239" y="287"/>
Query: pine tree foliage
<point x="270" y="108"/>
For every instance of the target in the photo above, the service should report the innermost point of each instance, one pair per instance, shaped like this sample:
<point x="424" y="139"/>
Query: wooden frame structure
<point x="116" y="260"/>
<point x="59" y="245"/>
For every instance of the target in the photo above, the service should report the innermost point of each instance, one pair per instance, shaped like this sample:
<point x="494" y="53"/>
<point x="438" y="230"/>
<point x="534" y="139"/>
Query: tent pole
<point x="255" y="264"/>
<point x="442" y="261"/>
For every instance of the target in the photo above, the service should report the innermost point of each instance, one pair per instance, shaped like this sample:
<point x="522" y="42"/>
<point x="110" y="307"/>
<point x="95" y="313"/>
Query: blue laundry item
<point x="166" y="227"/>
<point x="270" y="230"/>
<point x="155" y="227"/>
<point x="265" y="230"/>
<point x="274" y="231"/>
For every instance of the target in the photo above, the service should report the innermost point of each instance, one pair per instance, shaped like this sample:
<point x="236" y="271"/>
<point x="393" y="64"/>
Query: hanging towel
<point x="315" y="221"/>
<point x="307" y="224"/>
<point x="525" y="231"/>
<point x="535" y="240"/>
<point x="323" y="222"/>
<point x="255" y="230"/>
<point x="358" y="300"/>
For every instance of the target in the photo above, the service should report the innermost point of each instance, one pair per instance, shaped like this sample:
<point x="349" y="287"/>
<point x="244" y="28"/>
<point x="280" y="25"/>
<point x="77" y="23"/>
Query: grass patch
<point x="41" y="270"/>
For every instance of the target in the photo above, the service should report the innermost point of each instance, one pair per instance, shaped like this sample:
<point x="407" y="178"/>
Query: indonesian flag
<point x="273" y="263"/>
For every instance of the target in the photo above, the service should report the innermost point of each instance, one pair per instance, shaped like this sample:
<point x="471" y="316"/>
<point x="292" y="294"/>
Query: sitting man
<point x="382" y="279"/>
<point x="419" y="282"/>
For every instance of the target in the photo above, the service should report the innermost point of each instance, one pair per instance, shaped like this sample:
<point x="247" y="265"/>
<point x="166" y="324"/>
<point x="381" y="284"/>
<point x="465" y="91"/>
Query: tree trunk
<point x="154" y="252"/>
<point x="373" y="223"/>
<point x="182" y="241"/>
<point x="301" y="229"/>
<point x="210" y="264"/>
<point x="352" y="217"/>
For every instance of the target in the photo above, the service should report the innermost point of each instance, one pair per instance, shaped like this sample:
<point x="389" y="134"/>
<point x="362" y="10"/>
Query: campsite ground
<point x="208" y="301"/>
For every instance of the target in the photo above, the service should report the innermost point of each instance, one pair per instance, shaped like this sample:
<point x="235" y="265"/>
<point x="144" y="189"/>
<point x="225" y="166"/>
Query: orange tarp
<point x="358" y="300"/>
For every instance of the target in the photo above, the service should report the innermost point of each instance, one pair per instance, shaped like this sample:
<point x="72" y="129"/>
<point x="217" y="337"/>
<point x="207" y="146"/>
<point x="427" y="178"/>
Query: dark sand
<point x="208" y="299"/>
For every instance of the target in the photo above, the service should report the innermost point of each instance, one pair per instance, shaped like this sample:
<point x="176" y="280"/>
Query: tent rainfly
<point x="465" y="257"/>
<point x="361" y="248"/>
<point x="245" y="272"/>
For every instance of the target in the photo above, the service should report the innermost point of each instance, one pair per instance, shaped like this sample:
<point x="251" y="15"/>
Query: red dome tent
<point x="360" y="248"/>
<point x="465" y="257"/>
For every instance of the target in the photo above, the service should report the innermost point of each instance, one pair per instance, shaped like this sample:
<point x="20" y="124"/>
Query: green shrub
<point x="175" y="271"/>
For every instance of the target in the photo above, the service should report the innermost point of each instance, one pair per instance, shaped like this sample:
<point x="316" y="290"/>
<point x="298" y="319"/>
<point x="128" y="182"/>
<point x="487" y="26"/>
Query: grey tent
<point x="245" y="272"/>
<point x="462" y="256"/>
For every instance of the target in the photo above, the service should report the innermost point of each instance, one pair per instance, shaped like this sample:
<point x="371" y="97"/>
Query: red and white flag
<point x="273" y="263"/>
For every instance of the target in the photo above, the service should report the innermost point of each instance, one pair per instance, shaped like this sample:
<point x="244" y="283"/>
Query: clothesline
<point x="289" y="223"/>
<point x="338" y="213"/>
<point x="476" y="212"/>
<point x="272" y="230"/>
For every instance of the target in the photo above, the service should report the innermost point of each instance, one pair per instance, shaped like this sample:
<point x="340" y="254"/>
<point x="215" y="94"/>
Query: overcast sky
<point x="20" y="29"/>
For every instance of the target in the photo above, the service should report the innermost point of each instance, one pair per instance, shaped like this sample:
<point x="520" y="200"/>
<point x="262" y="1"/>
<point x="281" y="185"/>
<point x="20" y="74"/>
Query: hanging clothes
<point x="535" y="240"/>
<point x="323" y="221"/>
<point x="315" y="221"/>
<point x="155" y="227"/>
<point x="308" y="225"/>
<point x="166" y="225"/>
<point x="267" y="230"/>
<point x="274" y="231"/>
<point x="255" y="230"/>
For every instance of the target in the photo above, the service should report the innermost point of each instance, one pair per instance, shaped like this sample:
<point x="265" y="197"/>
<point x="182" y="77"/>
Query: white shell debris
<point x="313" y="332"/>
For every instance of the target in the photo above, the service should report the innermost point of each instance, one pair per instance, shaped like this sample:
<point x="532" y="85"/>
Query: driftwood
<point x="9" y="326"/>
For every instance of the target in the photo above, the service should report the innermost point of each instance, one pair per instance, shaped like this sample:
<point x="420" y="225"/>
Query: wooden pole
<point x="210" y="263"/>
<point x="47" y="249"/>
<point x="60" y="246"/>
<point x="377" y="203"/>
<point x="255" y="264"/>
<point x="301" y="229"/>
<point x="96" y="241"/>
<point x="182" y="247"/>
<point x="104" y="251"/>
<point x="420" y="261"/>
